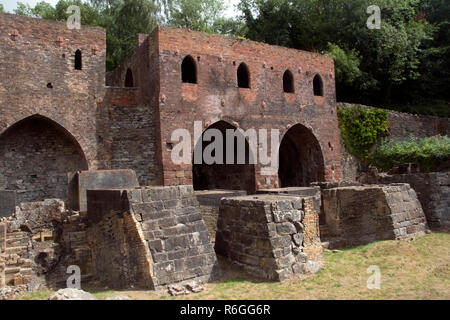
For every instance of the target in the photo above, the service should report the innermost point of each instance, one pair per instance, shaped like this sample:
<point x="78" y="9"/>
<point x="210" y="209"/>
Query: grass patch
<point x="42" y="294"/>
<point x="417" y="269"/>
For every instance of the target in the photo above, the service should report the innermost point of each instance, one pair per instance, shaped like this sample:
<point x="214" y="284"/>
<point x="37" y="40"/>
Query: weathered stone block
<point x="362" y="214"/>
<point x="268" y="249"/>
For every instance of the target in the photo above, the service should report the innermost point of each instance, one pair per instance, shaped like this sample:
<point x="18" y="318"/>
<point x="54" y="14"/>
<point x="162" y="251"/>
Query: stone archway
<point x="300" y="158"/>
<point x="223" y="176"/>
<point x="36" y="154"/>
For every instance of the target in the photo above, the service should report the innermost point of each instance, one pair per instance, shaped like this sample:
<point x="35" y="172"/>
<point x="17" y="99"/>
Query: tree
<point x="200" y="15"/>
<point x="388" y="57"/>
<point x="347" y="71"/>
<point x="1" y="7"/>
<point x="131" y="18"/>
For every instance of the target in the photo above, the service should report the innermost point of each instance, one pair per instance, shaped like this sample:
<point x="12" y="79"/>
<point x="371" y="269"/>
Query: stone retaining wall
<point x="433" y="191"/>
<point x="270" y="236"/>
<point x="363" y="214"/>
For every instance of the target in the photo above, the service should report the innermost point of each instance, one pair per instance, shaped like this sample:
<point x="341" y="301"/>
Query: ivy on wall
<point x="361" y="128"/>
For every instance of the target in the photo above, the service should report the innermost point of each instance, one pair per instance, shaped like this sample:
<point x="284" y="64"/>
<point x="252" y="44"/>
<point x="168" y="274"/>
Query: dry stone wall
<point x="270" y="236"/>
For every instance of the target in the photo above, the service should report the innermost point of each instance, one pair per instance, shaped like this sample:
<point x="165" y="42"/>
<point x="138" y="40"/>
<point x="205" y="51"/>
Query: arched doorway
<point x="233" y="176"/>
<point x="36" y="154"/>
<point x="300" y="158"/>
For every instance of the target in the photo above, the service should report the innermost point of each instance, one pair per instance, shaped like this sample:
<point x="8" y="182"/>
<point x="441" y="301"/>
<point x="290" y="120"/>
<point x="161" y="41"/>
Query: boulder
<point x="72" y="294"/>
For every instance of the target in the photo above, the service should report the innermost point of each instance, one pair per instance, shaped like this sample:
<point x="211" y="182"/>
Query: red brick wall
<point x="216" y="96"/>
<point x="36" y="59"/>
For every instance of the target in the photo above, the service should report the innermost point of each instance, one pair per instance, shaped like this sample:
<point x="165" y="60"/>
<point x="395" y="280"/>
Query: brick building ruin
<point x="66" y="135"/>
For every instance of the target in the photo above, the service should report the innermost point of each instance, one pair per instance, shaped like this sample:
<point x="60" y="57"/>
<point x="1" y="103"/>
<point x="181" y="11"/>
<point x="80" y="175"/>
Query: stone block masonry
<point x="270" y="236"/>
<point x="433" y="191"/>
<point x="313" y="191"/>
<point x="81" y="181"/>
<point x="209" y="201"/>
<point x="363" y="214"/>
<point x="152" y="237"/>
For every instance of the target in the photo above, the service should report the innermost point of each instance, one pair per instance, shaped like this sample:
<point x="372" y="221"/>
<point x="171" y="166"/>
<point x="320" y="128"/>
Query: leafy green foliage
<point x="1" y="7"/>
<point x="361" y="128"/>
<point x="374" y="67"/>
<point x="346" y="64"/>
<point x="196" y="15"/>
<point x="427" y="152"/>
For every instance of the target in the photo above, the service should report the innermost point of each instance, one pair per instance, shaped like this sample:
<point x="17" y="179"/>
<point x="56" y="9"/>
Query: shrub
<point x="361" y="128"/>
<point x="429" y="153"/>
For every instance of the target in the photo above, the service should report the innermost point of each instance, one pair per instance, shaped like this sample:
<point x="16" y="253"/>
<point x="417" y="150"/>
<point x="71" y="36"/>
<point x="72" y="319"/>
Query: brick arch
<point x="223" y="176"/>
<point x="301" y="158"/>
<point x="80" y="140"/>
<point x="36" y="153"/>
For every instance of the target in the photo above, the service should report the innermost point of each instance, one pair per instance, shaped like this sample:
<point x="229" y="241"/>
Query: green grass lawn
<point x="417" y="269"/>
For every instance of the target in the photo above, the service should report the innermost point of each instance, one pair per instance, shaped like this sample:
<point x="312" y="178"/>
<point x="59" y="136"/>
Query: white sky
<point x="10" y="5"/>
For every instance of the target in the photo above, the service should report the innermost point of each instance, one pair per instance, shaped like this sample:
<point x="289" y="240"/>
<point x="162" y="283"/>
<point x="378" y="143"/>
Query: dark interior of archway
<point x="318" y="86"/>
<point x="243" y="76"/>
<point x="129" y="79"/>
<point x="35" y="156"/>
<point x="224" y="176"/>
<point x="300" y="158"/>
<point x="288" y="82"/>
<point x="188" y="70"/>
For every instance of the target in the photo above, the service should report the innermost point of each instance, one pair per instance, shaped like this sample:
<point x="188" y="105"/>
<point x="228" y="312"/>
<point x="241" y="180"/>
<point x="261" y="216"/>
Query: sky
<point x="10" y="5"/>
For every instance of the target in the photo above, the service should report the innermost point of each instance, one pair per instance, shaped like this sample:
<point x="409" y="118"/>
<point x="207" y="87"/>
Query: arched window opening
<point x="318" y="86"/>
<point x="78" y="60"/>
<point x="288" y="82"/>
<point x="243" y="76"/>
<point x="129" y="79"/>
<point x="188" y="70"/>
